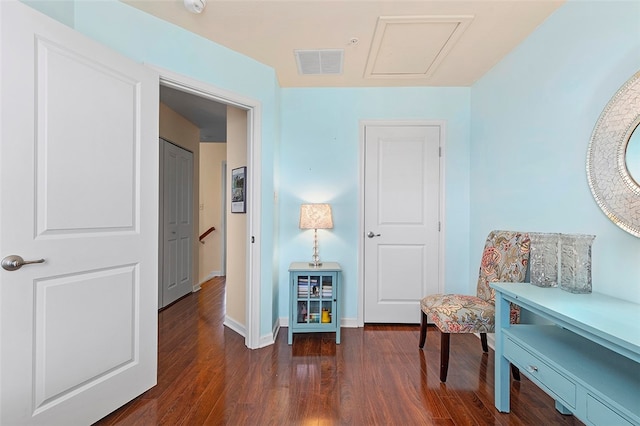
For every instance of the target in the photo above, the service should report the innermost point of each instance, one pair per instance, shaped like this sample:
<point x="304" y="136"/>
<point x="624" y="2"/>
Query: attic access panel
<point x="412" y="46"/>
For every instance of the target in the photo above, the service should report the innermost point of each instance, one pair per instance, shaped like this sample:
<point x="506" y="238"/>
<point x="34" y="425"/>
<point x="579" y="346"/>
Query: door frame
<point x="254" y="189"/>
<point x="441" y="208"/>
<point x="223" y="218"/>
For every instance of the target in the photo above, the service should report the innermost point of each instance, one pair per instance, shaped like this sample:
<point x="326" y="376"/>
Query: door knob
<point x="371" y="234"/>
<point x="15" y="262"/>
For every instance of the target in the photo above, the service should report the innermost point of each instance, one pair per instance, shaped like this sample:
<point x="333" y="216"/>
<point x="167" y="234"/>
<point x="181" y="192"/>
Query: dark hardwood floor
<point x="376" y="376"/>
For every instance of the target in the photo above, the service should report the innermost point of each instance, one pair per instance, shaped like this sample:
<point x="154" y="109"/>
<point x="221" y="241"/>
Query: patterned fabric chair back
<point x="504" y="259"/>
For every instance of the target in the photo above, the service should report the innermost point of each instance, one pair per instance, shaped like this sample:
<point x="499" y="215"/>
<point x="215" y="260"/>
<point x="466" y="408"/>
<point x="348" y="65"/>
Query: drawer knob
<point x="532" y="368"/>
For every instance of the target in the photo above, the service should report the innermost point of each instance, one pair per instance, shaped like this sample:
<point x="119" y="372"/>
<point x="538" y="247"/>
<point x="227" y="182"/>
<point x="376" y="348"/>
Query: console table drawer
<point x="590" y="366"/>
<point x="541" y="372"/>
<point x="600" y="414"/>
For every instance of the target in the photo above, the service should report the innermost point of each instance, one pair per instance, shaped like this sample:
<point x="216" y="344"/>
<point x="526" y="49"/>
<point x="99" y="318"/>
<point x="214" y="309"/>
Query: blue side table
<point x="314" y="298"/>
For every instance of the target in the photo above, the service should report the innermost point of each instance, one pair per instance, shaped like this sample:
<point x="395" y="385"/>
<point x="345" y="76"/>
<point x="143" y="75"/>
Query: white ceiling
<point x="386" y="43"/>
<point x="209" y="116"/>
<point x="383" y="43"/>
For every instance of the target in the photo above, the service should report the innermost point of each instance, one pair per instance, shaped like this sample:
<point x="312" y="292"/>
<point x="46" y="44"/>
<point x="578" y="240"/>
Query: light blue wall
<point x="60" y="10"/>
<point x="152" y="41"/>
<point x="515" y="146"/>
<point x="320" y="152"/>
<point x="532" y="117"/>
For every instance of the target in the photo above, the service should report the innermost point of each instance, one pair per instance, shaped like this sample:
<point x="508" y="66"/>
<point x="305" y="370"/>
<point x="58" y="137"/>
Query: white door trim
<point x="254" y="190"/>
<point x="223" y="219"/>
<point x="442" y="210"/>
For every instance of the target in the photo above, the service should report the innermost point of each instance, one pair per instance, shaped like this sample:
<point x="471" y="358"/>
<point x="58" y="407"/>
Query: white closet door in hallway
<point x="177" y="239"/>
<point x="401" y="220"/>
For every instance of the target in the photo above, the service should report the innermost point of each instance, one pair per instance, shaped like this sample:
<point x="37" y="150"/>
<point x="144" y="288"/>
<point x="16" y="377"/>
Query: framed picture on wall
<point x="239" y="190"/>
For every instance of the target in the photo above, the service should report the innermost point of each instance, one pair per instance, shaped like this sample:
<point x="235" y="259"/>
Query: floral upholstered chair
<point x="504" y="259"/>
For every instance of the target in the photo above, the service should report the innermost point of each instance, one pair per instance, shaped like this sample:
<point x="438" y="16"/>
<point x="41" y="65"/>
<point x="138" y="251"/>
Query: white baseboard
<point x="235" y="326"/>
<point x="266" y="340"/>
<point x="210" y="275"/>
<point x="349" y="323"/>
<point x="270" y="339"/>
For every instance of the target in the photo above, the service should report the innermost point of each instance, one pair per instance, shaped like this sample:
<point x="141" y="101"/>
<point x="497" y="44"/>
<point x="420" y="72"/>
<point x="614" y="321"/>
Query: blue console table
<point x="587" y="360"/>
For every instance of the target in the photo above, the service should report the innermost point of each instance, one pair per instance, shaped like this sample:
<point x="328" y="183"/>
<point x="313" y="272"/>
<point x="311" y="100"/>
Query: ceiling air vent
<point x="320" y="61"/>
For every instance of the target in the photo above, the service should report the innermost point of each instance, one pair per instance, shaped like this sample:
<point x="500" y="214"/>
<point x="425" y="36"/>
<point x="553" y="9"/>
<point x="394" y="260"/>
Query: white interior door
<point x="79" y="189"/>
<point x="401" y="214"/>
<point x="177" y="184"/>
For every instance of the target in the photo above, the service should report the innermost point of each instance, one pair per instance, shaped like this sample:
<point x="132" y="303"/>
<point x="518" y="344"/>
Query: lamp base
<point x="316" y="257"/>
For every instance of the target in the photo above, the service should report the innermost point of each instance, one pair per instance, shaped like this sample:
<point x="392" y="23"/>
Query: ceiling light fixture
<point x="195" y="6"/>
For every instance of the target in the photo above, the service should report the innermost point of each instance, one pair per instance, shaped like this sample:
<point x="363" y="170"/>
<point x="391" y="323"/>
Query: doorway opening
<point x="248" y="299"/>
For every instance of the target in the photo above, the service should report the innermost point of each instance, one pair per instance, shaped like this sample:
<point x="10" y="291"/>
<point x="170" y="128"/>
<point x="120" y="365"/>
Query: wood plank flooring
<point x="376" y="376"/>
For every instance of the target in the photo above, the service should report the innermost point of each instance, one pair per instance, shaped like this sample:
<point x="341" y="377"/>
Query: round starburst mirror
<point x="613" y="159"/>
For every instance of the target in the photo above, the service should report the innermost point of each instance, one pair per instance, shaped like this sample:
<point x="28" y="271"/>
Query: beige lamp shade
<point x="316" y="216"/>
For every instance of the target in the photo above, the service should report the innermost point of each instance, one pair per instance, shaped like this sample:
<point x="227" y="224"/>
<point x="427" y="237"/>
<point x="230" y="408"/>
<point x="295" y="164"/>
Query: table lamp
<point x="315" y="216"/>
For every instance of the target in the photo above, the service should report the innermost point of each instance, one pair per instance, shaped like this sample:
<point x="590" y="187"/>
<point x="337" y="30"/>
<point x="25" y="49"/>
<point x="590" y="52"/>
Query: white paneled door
<point x="79" y="189"/>
<point x="177" y="240"/>
<point x="401" y="214"/>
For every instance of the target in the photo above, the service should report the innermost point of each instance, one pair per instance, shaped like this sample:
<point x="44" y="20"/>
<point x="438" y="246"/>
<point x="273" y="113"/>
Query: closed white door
<point x="401" y="220"/>
<point x="79" y="189"/>
<point x="177" y="184"/>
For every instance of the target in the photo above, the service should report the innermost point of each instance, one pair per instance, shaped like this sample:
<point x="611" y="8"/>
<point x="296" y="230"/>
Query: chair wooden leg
<point x="444" y="355"/>
<point x="423" y="330"/>
<point x="515" y="372"/>
<point x="485" y="347"/>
